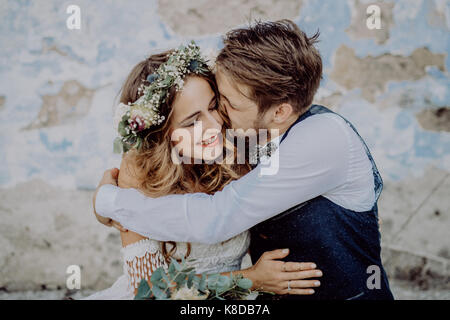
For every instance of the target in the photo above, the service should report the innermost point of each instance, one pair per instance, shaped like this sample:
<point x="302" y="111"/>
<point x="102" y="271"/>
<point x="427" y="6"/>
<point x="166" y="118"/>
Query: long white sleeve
<point x="314" y="160"/>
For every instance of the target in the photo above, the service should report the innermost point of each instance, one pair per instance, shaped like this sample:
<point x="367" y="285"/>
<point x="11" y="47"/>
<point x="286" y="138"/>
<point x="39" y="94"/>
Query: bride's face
<point x="195" y="122"/>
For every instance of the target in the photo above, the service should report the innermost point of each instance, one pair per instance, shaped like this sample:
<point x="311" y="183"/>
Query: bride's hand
<point x="109" y="177"/>
<point x="272" y="275"/>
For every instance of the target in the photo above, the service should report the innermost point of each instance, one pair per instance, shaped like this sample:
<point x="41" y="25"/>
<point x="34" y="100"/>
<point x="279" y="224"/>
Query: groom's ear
<point x="282" y="112"/>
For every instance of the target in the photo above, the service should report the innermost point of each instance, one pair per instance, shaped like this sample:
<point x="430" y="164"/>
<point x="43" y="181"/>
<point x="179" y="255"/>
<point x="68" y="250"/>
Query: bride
<point x="163" y="101"/>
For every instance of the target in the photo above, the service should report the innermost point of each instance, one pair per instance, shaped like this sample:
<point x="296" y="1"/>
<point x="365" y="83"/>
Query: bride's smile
<point x="211" y="142"/>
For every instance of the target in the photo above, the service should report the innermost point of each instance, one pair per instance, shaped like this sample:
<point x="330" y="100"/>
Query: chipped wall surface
<point x="205" y="17"/>
<point x="59" y="86"/>
<point x="372" y="74"/>
<point x="71" y="103"/>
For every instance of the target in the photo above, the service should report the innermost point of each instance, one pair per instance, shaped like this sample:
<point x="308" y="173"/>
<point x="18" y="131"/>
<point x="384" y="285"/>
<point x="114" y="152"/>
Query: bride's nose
<point x="212" y="122"/>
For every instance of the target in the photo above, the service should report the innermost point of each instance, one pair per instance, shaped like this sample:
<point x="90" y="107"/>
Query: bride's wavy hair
<point x="157" y="175"/>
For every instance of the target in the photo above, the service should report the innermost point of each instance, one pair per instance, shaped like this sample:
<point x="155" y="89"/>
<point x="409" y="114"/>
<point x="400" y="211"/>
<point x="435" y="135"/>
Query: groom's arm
<point x="310" y="165"/>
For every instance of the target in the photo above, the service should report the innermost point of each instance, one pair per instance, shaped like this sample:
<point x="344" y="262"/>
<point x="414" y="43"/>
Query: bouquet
<point x="182" y="283"/>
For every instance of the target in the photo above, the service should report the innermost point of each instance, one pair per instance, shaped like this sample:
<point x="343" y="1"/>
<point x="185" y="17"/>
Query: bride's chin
<point x="209" y="159"/>
<point x="217" y="155"/>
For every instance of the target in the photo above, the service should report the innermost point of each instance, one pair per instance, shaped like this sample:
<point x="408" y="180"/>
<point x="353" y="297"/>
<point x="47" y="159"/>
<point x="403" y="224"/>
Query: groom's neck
<point x="288" y="123"/>
<point x="280" y="129"/>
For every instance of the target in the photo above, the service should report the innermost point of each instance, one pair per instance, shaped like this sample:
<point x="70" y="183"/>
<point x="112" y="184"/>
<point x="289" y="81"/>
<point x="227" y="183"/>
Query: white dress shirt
<point x="321" y="155"/>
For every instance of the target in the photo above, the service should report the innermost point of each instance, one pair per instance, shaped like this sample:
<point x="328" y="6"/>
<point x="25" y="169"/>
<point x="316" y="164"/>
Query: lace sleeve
<point x="140" y="260"/>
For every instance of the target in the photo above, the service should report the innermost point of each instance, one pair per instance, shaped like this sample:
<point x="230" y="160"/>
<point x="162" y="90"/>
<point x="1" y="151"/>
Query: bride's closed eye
<point x="213" y="107"/>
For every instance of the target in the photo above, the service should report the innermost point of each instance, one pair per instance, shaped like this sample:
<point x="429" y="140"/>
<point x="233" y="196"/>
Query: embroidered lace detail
<point x="141" y="259"/>
<point x="225" y="256"/>
<point x="140" y="248"/>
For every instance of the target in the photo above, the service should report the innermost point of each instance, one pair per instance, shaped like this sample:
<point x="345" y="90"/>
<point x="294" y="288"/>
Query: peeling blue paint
<point x="54" y="146"/>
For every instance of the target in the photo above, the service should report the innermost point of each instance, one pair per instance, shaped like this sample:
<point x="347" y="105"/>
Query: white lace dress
<point x="140" y="259"/>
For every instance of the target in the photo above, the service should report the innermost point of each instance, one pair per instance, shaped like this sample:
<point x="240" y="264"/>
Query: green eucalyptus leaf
<point x="157" y="275"/>
<point x="159" y="294"/>
<point x="171" y="271"/>
<point x="162" y="284"/>
<point x="245" y="283"/>
<point x="213" y="278"/>
<point x="202" y="283"/>
<point x="190" y="279"/>
<point x="166" y="279"/>
<point x="167" y="81"/>
<point x="121" y="128"/>
<point x="139" y="142"/>
<point x="224" y="283"/>
<point x="180" y="280"/>
<point x="212" y="285"/>
<point x="176" y="264"/>
<point x="196" y="282"/>
<point x="118" y="145"/>
<point x="144" y="291"/>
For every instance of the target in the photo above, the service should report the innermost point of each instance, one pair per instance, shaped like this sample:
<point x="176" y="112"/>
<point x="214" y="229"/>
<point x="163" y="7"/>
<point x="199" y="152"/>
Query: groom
<point x="322" y="201"/>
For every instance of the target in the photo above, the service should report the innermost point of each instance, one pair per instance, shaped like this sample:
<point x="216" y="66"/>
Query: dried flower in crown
<point x="132" y="119"/>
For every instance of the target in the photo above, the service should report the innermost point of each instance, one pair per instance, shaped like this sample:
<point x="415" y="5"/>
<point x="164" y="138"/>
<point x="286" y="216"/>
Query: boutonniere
<point x="262" y="151"/>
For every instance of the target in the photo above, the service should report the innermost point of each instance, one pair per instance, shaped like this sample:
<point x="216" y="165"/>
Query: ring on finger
<point x="289" y="285"/>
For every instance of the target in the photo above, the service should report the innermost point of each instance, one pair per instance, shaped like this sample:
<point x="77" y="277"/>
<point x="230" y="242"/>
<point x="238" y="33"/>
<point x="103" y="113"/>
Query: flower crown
<point x="132" y="119"/>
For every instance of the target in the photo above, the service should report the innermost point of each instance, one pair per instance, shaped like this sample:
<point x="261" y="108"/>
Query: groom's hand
<point x="109" y="177"/>
<point x="272" y="275"/>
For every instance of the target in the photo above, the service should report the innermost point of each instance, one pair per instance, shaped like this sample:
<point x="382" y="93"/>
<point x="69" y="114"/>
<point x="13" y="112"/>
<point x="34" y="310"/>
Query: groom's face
<point x="242" y="111"/>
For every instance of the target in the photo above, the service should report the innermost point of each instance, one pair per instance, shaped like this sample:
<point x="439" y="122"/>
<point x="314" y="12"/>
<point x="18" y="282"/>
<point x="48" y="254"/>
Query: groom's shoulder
<point x="320" y="143"/>
<point x="320" y="135"/>
<point x="318" y="126"/>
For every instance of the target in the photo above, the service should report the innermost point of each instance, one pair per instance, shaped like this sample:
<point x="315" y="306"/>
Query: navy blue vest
<point x="343" y="243"/>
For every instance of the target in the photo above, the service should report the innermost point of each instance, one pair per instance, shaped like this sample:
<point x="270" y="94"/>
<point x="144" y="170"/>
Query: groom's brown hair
<point x="276" y="60"/>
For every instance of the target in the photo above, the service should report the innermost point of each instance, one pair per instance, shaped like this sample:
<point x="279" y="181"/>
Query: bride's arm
<point x="142" y="256"/>
<point x="128" y="174"/>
